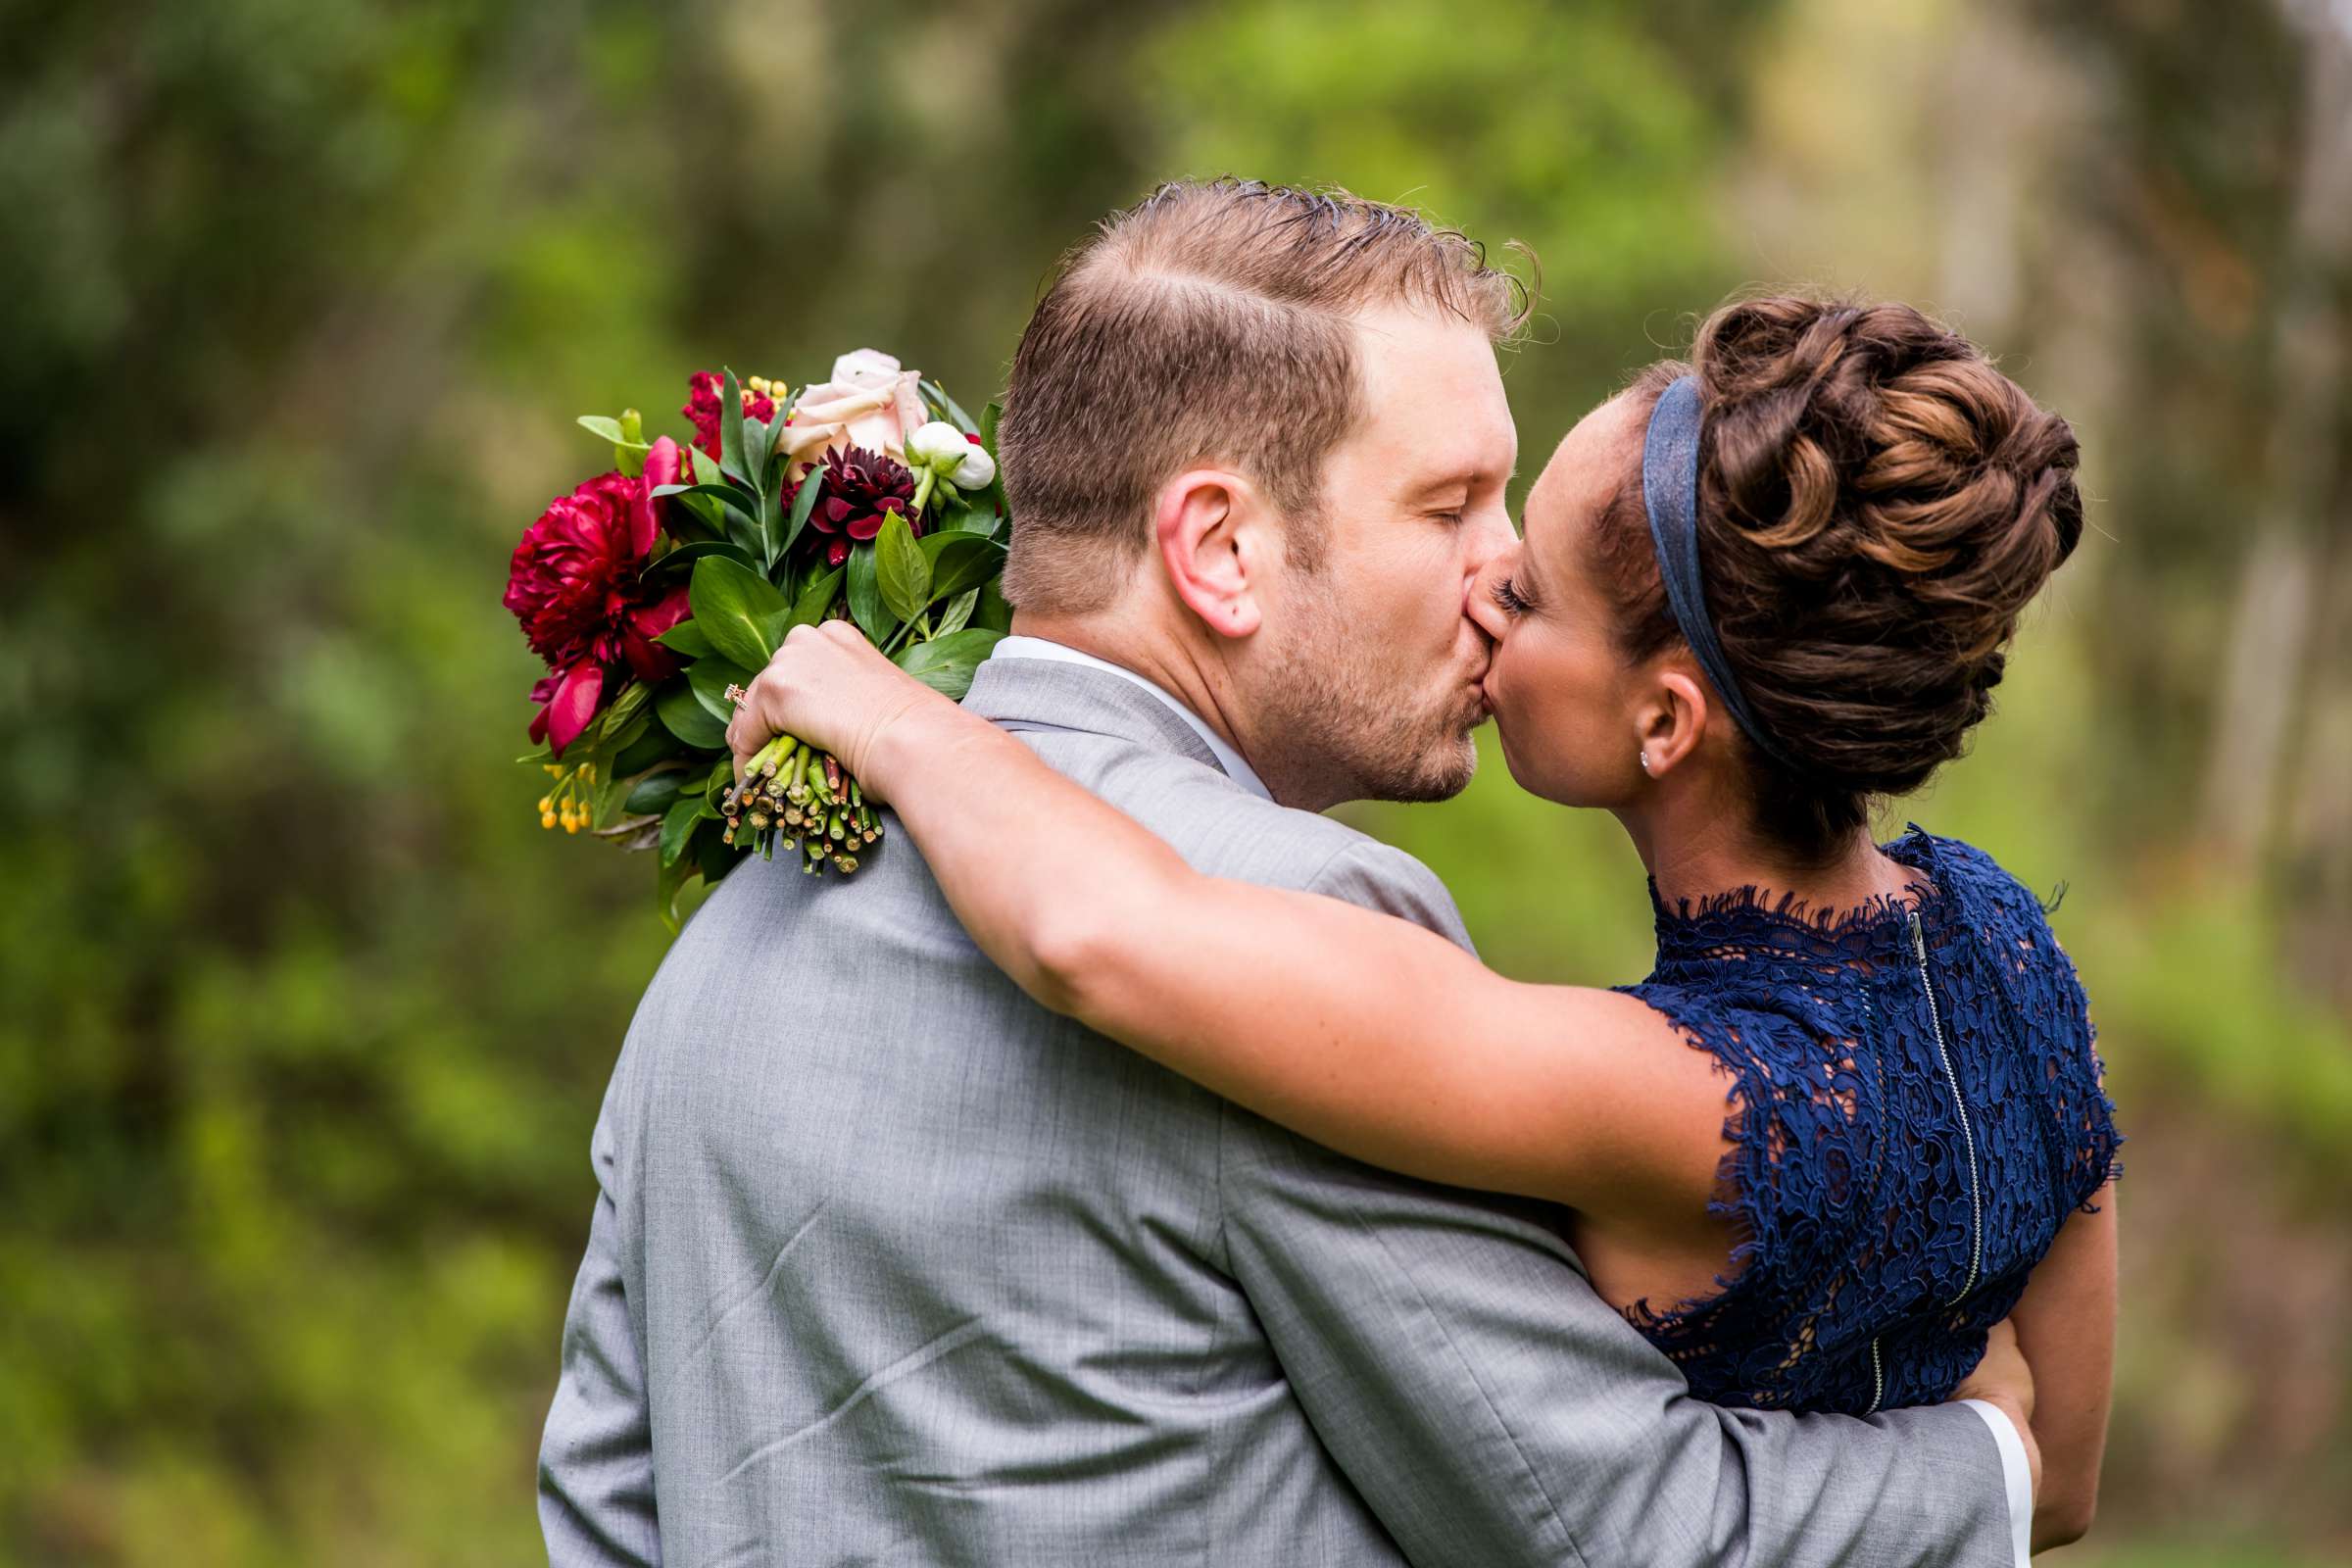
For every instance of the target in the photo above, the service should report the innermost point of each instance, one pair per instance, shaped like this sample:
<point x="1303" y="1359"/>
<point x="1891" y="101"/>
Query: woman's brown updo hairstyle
<point x="1876" y="504"/>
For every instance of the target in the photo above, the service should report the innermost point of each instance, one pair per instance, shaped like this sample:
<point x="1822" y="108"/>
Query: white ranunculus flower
<point x="937" y="445"/>
<point x="976" y="471"/>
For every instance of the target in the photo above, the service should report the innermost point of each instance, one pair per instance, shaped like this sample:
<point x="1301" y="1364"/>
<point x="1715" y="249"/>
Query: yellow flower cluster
<point x="768" y="389"/>
<point x="570" y="805"/>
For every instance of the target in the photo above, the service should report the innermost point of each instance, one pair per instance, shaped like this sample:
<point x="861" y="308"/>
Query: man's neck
<point x="1163" y="662"/>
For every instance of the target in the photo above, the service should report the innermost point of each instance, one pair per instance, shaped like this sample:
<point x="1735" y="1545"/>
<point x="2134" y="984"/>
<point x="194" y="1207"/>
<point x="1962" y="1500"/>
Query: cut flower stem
<point x="803" y="798"/>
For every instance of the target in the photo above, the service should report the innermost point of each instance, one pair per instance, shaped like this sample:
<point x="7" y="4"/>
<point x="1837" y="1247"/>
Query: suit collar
<point x="1073" y="697"/>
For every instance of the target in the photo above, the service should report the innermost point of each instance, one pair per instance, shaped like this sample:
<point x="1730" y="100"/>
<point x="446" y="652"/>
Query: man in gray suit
<point x="890" y="1265"/>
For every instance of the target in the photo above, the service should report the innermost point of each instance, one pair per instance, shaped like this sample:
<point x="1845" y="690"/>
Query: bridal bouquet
<point x="655" y="590"/>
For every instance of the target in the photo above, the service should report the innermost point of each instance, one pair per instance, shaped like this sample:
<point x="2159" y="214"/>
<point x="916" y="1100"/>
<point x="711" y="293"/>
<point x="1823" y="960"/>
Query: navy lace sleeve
<point x="1797" y="1184"/>
<point x="1913" y="1108"/>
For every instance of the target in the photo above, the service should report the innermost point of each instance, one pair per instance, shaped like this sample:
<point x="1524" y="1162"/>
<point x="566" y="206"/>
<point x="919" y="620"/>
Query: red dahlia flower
<point x="576" y="587"/>
<point x="706" y="392"/>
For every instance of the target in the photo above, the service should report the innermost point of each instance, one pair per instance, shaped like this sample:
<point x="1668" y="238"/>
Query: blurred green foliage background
<point x="304" y="1021"/>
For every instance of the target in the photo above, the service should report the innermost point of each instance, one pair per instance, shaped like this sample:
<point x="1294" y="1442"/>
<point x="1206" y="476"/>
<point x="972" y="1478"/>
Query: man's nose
<point x="1487" y="539"/>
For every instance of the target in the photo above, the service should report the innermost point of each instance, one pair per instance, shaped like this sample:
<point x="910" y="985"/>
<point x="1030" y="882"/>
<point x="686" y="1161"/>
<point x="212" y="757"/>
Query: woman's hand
<point x="830" y="687"/>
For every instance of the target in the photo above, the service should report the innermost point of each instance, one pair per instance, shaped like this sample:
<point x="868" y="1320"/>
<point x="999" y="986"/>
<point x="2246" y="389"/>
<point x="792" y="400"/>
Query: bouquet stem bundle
<point x="803" y="799"/>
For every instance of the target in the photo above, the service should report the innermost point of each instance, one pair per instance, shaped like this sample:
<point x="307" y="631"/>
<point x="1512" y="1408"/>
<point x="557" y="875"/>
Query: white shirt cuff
<point x="2015" y="1473"/>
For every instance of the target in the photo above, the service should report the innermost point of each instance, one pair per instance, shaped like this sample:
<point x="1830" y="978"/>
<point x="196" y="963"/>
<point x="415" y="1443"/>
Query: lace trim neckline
<point x="1752" y="921"/>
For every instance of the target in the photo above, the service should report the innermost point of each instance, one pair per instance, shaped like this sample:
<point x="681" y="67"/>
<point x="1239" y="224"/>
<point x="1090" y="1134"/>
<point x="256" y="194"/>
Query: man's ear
<point x="1216" y="536"/>
<point x="1671" y="721"/>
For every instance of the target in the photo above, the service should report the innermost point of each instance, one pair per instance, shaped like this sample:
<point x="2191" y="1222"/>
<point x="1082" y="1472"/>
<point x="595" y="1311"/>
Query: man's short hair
<point x="1213" y="321"/>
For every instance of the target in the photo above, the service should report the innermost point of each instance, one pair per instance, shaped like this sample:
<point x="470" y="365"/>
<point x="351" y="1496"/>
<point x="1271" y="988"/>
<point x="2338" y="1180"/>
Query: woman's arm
<point x="1365" y="1033"/>
<point x="2066" y="1327"/>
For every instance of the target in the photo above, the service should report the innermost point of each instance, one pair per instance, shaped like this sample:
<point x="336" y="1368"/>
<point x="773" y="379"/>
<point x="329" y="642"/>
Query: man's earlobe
<point x="1208" y="536"/>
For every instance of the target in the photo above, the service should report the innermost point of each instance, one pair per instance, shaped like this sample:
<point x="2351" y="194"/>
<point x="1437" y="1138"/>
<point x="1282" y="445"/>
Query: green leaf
<point x="773" y="475"/>
<point x="669" y="882"/>
<point x="648" y="748"/>
<point x="608" y="761"/>
<point x="710" y="678"/>
<point x="960" y="561"/>
<point x="954" y="411"/>
<point x="902" y="568"/>
<point x="618" y="726"/>
<point x="730" y="507"/>
<point x="755" y="467"/>
<point x="771" y="519"/>
<point x="611" y="431"/>
<point x="715" y="855"/>
<point x="688" y="555"/>
<point x="959" y="613"/>
<point x="733" y="495"/>
<point x="688" y="639"/>
<point x="948" y="664"/>
<point x="990" y="417"/>
<point x="653" y="795"/>
<point x="866" y="608"/>
<point x="805" y="577"/>
<point x="738" y="610"/>
<point x="994" y="612"/>
<point x="683" y="715"/>
<point x="722" y="774"/>
<point x="608" y="797"/>
<point x="730" y="431"/>
<point x="816" y="601"/>
<point x="692" y="516"/>
<point x="626" y="706"/>
<point x="804" y="502"/>
<point x="676" y="823"/>
<point x="753" y="464"/>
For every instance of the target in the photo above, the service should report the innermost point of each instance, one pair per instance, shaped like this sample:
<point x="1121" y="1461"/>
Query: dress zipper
<point x="1968" y="1142"/>
<point x="1877" y="1368"/>
<point x="1967" y="1137"/>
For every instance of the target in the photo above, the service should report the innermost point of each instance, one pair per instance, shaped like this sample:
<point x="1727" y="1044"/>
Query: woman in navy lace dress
<point x="1755" y="593"/>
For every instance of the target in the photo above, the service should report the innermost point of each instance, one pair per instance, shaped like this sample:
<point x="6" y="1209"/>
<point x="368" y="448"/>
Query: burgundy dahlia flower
<point x="861" y="488"/>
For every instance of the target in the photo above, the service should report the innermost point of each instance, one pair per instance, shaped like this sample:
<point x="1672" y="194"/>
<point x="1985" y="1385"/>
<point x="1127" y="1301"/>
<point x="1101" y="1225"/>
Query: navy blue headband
<point x="1670" y="495"/>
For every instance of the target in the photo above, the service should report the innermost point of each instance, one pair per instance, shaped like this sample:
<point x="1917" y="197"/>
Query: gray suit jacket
<point x="891" y="1267"/>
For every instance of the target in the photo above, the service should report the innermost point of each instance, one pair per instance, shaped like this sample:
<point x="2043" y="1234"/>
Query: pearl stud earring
<point x="1645" y="762"/>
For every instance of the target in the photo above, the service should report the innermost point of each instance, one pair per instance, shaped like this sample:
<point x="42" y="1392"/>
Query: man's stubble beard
<point x="1339" y="729"/>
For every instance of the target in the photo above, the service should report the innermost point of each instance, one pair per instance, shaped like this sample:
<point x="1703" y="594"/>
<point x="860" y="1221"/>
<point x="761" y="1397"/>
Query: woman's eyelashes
<point x="1507" y="598"/>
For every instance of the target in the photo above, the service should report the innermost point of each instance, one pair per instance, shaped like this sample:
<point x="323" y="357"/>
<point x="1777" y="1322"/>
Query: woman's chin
<point x="1525" y="764"/>
<point x="1518" y="770"/>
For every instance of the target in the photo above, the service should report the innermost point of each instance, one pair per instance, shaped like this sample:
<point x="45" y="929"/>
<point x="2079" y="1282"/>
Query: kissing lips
<point x="1482" y="673"/>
